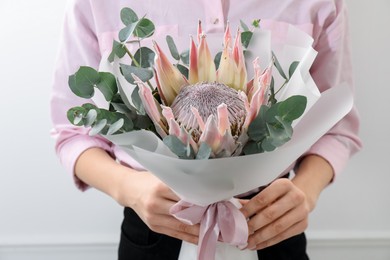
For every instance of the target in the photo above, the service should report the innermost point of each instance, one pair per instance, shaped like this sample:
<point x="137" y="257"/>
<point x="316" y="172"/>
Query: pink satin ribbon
<point x="219" y="221"/>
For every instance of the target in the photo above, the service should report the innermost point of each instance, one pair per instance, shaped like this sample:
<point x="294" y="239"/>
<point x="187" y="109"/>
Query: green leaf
<point x="244" y="26"/>
<point x="124" y="98"/>
<point x="98" y="127"/>
<point x="217" y="59"/>
<point x="137" y="101"/>
<point x="279" y="134"/>
<point x="204" y="152"/>
<point x="266" y="145"/>
<point x="182" y="150"/>
<point x="107" y="85"/>
<point x="172" y="47"/>
<point x="76" y="114"/>
<point x="90" y="117"/>
<point x="128" y="16"/>
<point x="82" y="83"/>
<point x="257" y="130"/>
<point x="292" y="108"/>
<point x="185" y="57"/>
<point x="278" y="66"/>
<point x="143" y="122"/>
<point x="125" y="33"/>
<point x="256" y="23"/>
<point x="184" y="70"/>
<point x="246" y="38"/>
<point x="272" y="100"/>
<point x="145" y="57"/>
<point x="116" y="126"/>
<point x="118" y="49"/>
<point x="252" y="147"/>
<point x="143" y="73"/>
<point x="89" y="106"/>
<point x="145" y="28"/>
<point x="292" y="68"/>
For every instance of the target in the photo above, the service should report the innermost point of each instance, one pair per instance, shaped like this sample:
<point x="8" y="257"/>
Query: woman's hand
<point x="141" y="191"/>
<point x="278" y="212"/>
<point x="281" y="210"/>
<point x="151" y="199"/>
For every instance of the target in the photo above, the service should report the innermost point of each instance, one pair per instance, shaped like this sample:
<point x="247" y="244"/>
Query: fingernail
<point x="252" y="248"/>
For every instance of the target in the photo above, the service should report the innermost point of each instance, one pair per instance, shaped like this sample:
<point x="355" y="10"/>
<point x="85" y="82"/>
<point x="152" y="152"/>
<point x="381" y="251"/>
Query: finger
<point x="294" y="230"/>
<point x="169" y="222"/>
<point x="280" y="225"/>
<point x="243" y="202"/>
<point x="284" y="204"/>
<point x="266" y="197"/>
<point x="174" y="228"/>
<point x="179" y="235"/>
<point x="167" y="193"/>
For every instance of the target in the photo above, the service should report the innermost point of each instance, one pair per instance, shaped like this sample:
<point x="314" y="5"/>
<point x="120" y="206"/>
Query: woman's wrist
<point x="98" y="169"/>
<point x="312" y="176"/>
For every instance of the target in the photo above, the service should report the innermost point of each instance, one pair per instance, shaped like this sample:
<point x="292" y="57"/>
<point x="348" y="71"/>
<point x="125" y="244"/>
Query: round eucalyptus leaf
<point x="128" y="16"/>
<point x="107" y="85"/>
<point x="98" y="127"/>
<point x="118" y="50"/>
<point x="252" y="147"/>
<point x="76" y="114"/>
<point x="145" y="57"/>
<point x="77" y="119"/>
<point x="83" y="81"/>
<point x="143" y="73"/>
<point x="125" y="33"/>
<point x="145" y="28"/>
<point x="90" y="117"/>
<point x="292" y="108"/>
<point x="115" y="126"/>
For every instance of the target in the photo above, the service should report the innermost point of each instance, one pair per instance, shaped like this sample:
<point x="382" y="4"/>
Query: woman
<point x="278" y="215"/>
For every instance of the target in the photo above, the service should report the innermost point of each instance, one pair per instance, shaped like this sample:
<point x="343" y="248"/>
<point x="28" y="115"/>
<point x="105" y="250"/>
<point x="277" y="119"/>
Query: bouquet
<point x="210" y="127"/>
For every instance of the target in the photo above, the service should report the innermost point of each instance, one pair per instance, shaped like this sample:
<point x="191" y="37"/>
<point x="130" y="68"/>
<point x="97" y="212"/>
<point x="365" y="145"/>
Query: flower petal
<point x="206" y="66"/>
<point x="211" y="135"/>
<point x="223" y="119"/>
<point x="170" y="78"/>
<point x="238" y="56"/>
<point x="152" y="108"/>
<point x="198" y="118"/>
<point x="176" y="130"/>
<point x="199" y="31"/>
<point x="193" y="70"/>
<point x="227" y="69"/>
<point x="227" y="37"/>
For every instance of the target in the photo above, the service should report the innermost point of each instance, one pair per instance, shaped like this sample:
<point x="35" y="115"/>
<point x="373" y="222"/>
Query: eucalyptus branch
<point x="136" y="63"/>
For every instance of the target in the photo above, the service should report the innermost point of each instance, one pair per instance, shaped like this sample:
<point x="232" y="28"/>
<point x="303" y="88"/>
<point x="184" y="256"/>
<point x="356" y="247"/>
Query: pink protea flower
<point x="211" y="106"/>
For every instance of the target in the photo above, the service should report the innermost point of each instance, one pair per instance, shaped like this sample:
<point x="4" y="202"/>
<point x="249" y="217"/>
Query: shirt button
<point x="215" y="21"/>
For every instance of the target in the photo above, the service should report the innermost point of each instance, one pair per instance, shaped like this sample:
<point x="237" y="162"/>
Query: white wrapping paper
<point x="204" y="182"/>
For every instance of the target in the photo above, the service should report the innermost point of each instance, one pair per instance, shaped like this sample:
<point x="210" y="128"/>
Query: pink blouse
<point x="91" y="25"/>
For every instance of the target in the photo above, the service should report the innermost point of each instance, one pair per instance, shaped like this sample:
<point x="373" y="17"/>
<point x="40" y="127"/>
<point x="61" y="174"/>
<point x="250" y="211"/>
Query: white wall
<point x="43" y="216"/>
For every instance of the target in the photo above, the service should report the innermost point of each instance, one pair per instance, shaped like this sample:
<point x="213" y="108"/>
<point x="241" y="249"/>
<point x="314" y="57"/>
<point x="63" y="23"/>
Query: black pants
<point x="138" y="242"/>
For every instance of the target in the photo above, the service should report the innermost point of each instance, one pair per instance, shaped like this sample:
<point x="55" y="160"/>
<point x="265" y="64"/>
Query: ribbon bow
<point x="218" y="221"/>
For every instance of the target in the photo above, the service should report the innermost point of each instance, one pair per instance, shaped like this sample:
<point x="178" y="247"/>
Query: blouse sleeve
<point x="78" y="47"/>
<point x="331" y="68"/>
